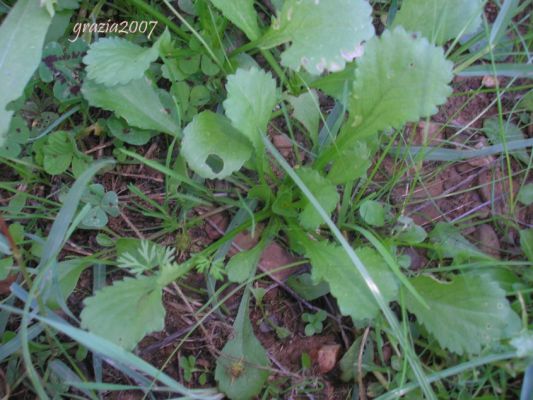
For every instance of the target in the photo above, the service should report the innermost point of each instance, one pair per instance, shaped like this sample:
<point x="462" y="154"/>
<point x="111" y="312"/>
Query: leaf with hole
<point x="438" y="20"/>
<point x="252" y="95"/>
<point x="138" y="102"/>
<point x="324" y="34"/>
<point x="213" y="148"/>
<point x="465" y="314"/>
<point x="331" y="264"/>
<point x="126" y="311"/>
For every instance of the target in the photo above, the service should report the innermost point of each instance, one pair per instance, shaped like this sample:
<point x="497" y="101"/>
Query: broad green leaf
<point x="241" y="264"/>
<point x="242" y="14"/>
<point x="22" y="35"/>
<point x="58" y="153"/>
<point x="408" y="232"/>
<point x="303" y="285"/>
<point x="115" y="61"/>
<point x="465" y="314"/>
<point x="138" y="102"/>
<point x="449" y="243"/>
<point x="525" y="195"/>
<point x="372" y="213"/>
<point x="400" y="79"/>
<point x="440" y="20"/>
<point x="509" y="133"/>
<point x="213" y="148"/>
<point x="252" y="95"/>
<point x="324" y="34"/>
<point x="324" y="191"/>
<point x="125" y="312"/>
<point x="526" y="243"/>
<point x="350" y="163"/>
<point x="68" y="274"/>
<point x="331" y="264"/>
<point x="240" y="369"/>
<point x="307" y="111"/>
<point x="96" y="218"/>
<point x="119" y="129"/>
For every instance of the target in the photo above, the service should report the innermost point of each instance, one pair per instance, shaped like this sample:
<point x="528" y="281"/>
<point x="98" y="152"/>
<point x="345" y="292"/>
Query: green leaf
<point x="350" y="163"/>
<point x="400" y="79"/>
<point x="119" y="129"/>
<point x="324" y="191"/>
<point x="305" y="287"/>
<point x="238" y="371"/>
<point x="509" y="131"/>
<point x="68" y="274"/>
<point x="440" y="20"/>
<point x="213" y="148"/>
<point x="114" y="61"/>
<point x="449" y="243"/>
<point x="241" y="264"/>
<point x="242" y="14"/>
<point x="465" y="314"/>
<point x="125" y="312"/>
<point x="332" y="265"/>
<point x="324" y="34"/>
<point x="525" y="195"/>
<point x="372" y="213"/>
<point x="526" y="243"/>
<point x="18" y="135"/>
<point x="22" y="35"/>
<point x="252" y="95"/>
<point x="58" y="153"/>
<point x="408" y="232"/>
<point x="96" y="218"/>
<point x="307" y="111"/>
<point x="138" y="102"/>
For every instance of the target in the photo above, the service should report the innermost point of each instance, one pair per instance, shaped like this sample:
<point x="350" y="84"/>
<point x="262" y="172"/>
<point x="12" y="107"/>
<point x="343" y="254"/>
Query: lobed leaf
<point x="332" y="265"/>
<point x="324" y="34"/>
<point x="213" y="148"/>
<point x="22" y="35"/>
<point x="138" y="102"/>
<point x="465" y="314"/>
<point x="252" y="95"/>
<point x="126" y="311"/>
<point x="438" y="20"/>
<point x="400" y="79"/>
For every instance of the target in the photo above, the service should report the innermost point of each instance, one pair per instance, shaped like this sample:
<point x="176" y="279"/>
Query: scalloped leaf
<point x="400" y="79"/>
<point x="116" y="61"/>
<point x="324" y="191"/>
<point x="439" y="20"/>
<point x="252" y="95"/>
<point x="126" y="311"/>
<point x="213" y="148"/>
<point x="332" y="265"/>
<point x="138" y="102"/>
<point x="465" y="314"/>
<point x="324" y="34"/>
<point x="242" y="14"/>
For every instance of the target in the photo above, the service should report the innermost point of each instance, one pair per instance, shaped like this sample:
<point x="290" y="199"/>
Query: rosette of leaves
<point x="62" y="65"/>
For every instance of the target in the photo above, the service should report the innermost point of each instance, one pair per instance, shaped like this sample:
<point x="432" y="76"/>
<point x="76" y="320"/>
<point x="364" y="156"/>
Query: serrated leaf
<point x="126" y="311"/>
<point x="324" y="191"/>
<point x="307" y="110"/>
<point x="449" y="243"/>
<point x="331" y="264"/>
<point x="241" y="264"/>
<point x="242" y="14"/>
<point x="22" y="35"/>
<point x="465" y="314"/>
<point x="324" y="34"/>
<point x="252" y="95"/>
<point x="439" y="20"/>
<point x="115" y="61"/>
<point x="239" y="370"/>
<point x="400" y="79"/>
<point x="138" y="102"/>
<point x="213" y="148"/>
